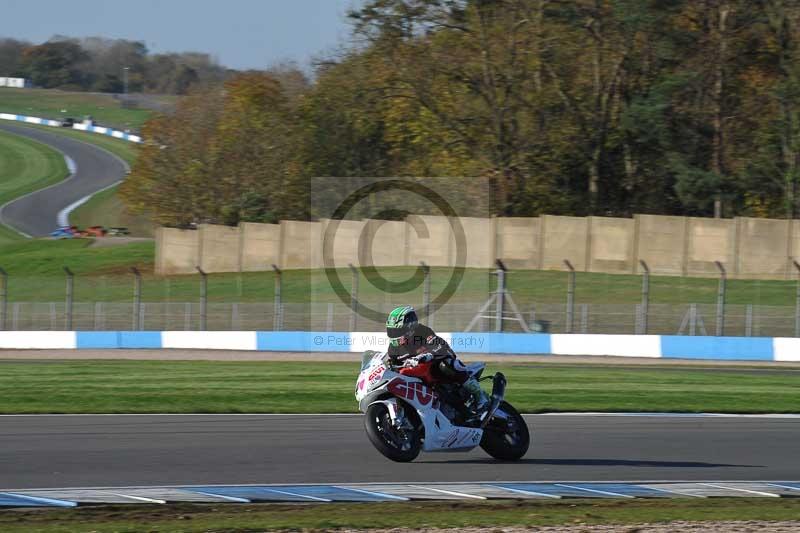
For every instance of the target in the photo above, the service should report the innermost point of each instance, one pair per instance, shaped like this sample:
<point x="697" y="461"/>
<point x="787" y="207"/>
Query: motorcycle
<point x="407" y="412"/>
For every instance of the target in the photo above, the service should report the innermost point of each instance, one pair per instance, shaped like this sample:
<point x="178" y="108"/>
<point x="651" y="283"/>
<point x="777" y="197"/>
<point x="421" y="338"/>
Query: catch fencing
<point x="566" y="302"/>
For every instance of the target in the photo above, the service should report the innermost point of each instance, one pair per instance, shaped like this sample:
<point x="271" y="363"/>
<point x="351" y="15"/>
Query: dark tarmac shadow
<point x="595" y="462"/>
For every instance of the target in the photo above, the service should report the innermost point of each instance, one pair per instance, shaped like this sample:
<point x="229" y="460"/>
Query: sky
<point x="239" y="34"/>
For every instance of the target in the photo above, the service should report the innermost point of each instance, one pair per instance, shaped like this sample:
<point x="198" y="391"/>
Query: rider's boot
<point x="477" y="400"/>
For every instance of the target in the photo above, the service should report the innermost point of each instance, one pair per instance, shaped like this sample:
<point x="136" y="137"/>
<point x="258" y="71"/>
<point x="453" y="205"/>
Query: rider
<point x="412" y="343"/>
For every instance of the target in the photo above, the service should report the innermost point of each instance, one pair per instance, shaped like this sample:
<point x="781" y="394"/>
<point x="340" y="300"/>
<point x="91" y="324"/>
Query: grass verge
<point x="297" y="387"/>
<point x="34" y="264"/>
<point x="186" y="518"/>
<point x="125" y="150"/>
<point x="107" y="209"/>
<point x="25" y="166"/>
<point x="55" y="104"/>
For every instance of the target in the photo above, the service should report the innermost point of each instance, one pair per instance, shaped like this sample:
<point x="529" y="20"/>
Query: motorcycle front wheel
<point x="401" y="444"/>
<point x="506" y="438"/>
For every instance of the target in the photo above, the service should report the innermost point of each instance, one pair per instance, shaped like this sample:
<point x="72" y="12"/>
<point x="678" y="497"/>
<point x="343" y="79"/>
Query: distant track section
<point x="36" y="214"/>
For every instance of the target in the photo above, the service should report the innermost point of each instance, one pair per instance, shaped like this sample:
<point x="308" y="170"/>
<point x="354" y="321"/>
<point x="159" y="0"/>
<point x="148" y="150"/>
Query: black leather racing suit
<point x="424" y="340"/>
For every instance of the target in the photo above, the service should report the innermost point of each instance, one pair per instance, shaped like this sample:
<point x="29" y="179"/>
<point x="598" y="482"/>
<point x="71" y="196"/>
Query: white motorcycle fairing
<point x="378" y="383"/>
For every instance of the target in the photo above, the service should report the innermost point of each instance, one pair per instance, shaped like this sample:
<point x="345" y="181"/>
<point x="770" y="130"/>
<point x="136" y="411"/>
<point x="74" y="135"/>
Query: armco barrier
<point x="653" y="346"/>
<point x="82" y="127"/>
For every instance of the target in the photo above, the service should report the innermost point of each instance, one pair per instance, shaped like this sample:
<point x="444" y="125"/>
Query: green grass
<point x="55" y="104"/>
<point x="107" y="209"/>
<point x="188" y="518"/>
<point x="8" y="235"/>
<point x="25" y="166"/>
<point x="298" y="387"/>
<point x="124" y="149"/>
<point x="104" y="277"/>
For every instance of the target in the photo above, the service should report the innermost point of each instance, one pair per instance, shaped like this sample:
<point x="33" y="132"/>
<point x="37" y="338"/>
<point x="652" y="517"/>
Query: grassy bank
<point x="36" y="270"/>
<point x="297" y="387"/>
<point x="26" y="166"/>
<point x="188" y="518"/>
<point x="55" y="104"/>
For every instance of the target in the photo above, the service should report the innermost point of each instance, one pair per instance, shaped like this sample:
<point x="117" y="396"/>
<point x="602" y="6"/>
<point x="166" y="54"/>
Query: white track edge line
<point x="222" y="496"/>
<point x="315" y="498"/>
<point x="450" y="492"/>
<point x="139" y="498"/>
<point x="607" y="493"/>
<point x="371" y="493"/>
<point x="741" y="490"/>
<point x="529" y="492"/>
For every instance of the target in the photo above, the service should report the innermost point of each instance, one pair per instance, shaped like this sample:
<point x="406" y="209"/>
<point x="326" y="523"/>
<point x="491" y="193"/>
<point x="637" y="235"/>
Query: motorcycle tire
<point x="501" y="443"/>
<point x="400" y="445"/>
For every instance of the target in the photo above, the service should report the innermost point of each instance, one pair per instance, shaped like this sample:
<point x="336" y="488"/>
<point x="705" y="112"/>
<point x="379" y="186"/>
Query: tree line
<point x="606" y="107"/>
<point x="105" y="65"/>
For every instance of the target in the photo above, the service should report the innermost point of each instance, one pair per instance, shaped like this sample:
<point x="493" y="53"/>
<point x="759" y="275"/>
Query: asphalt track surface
<point x="47" y="451"/>
<point x="36" y="214"/>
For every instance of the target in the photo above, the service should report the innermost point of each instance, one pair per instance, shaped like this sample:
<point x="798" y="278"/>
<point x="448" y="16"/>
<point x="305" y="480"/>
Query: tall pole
<point x="797" y="302"/>
<point x="137" y="299"/>
<point x="69" y="298"/>
<point x="277" y="312"/>
<point x="125" y="79"/>
<point x="645" y="297"/>
<point x="203" y="299"/>
<point x="3" y="299"/>
<point x="426" y="291"/>
<point x="354" y="298"/>
<point x="501" y="296"/>
<point x="721" y="299"/>
<point x="570" y="296"/>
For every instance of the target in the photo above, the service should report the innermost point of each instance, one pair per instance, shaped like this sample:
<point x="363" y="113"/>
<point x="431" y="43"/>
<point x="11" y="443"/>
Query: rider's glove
<point x="414" y="361"/>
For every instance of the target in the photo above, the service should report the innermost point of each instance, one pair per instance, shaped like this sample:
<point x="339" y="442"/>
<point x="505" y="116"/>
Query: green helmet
<point x="401" y="322"/>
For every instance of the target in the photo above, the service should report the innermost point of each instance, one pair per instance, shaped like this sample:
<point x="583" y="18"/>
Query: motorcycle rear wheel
<point x="507" y="441"/>
<point x="398" y="444"/>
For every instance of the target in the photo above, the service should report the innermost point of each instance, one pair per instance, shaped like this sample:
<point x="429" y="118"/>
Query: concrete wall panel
<point x="301" y="244"/>
<point x="710" y="240"/>
<point x="177" y="251"/>
<point x="564" y="238"/>
<point x="344" y="238"/>
<point x="611" y="248"/>
<point x="260" y="246"/>
<point x="430" y="239"/>
<point x="661" y="243"/>
<point x="219" y="248"/>
<point x="479" y="242"/>
<point x="763" y="248"/>
<point x="518" y="242"/>
<point x="384" y="241"/>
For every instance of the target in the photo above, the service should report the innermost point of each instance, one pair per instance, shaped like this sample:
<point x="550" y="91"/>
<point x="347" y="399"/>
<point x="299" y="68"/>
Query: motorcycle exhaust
<point x="498" y="393"/>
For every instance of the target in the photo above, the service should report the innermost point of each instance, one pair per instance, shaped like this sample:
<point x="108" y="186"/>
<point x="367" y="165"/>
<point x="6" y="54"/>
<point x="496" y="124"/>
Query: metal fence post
<point x="354" y="298"/>
<point x="501" y="296"/>
<point x="721" y="299"/>
<point x="203" y="299"/>
<point x="748" y="320"/>
<point x="137" y="298"/>
<point x="3" y="299"/>
<point x="69" y="298"/>
<point x="797" y="302"/>
<point x="277" y="312"/>
<point x="426" y="291"/>
<point x="644" y="309"/>
<point x="570" y="297"/>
